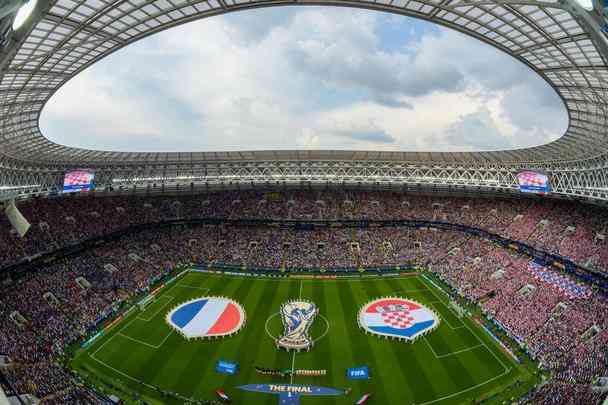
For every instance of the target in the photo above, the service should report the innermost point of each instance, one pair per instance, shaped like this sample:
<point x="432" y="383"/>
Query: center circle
<point x="274" y="338"/>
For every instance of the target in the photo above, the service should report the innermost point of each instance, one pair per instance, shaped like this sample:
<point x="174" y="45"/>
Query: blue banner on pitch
<point x="358" y="373"/>
<point x="289" y="394"/>
<point x="226" y="367"/>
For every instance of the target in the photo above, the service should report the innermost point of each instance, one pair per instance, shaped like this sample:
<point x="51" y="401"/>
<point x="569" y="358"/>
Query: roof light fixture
<point x="586" y="4"/>
<point x="24" y="13"/>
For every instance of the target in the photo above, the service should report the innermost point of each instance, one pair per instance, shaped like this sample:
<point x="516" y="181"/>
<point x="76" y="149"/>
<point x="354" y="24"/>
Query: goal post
<point x="145" y="302"/>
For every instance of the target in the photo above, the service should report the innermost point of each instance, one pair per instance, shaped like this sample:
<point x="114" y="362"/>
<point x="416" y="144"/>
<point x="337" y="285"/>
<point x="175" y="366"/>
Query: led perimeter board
<point x="533" y="182"/>
<point x="78" y="180"/>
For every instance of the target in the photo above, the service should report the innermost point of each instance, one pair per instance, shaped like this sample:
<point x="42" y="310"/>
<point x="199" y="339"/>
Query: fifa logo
<point x="297" y="317"/>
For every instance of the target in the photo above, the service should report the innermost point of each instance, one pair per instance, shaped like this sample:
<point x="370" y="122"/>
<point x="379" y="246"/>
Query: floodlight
<point x="24" y="13"/>
<point x="9" y="7"/>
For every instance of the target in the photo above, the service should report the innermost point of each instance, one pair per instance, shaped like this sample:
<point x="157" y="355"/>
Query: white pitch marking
<point x="137" y="340"/>
<point x="192" y="287"/>
<point x="441" y="356"/>
<point x="486" y="346"/>
<point x="326" y="330"/>
<point x="141" y="318"/>
<point x="166" y="337"/>
<point x="266" y="326"/>
<point x="122" y="373"/>
<point x="506" y="369"/>
<point x="113" y="336"/>
<point x="315" y="340"/>
<point x="94" y="357"/>
<point x="465" y="390"/>
<point x="156" y="347"/>
<point x="477" y="337"/>
<point x="434" y="305"/>
<point x="410" y="291"/>
<point x="138" y="318"/>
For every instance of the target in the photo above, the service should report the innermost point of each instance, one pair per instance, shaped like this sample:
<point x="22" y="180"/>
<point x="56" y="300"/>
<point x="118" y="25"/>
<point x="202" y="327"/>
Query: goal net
<point x="144" y="303"/>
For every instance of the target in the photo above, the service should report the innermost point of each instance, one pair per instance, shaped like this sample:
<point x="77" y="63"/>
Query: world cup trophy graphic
<point x="297" y="317"/>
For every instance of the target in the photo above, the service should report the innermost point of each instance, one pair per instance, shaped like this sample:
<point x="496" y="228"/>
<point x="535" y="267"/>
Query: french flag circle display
<point x="399" y="318"/>
<point x="207" y="317"/>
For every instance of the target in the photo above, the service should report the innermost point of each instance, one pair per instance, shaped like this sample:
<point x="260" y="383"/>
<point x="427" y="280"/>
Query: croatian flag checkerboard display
<point x="207" y="317"/>
<point x="533" y="182"/>
<point x="397" y="317"/>
<point x="565" y="284"/>
<point x="78" y="180"/>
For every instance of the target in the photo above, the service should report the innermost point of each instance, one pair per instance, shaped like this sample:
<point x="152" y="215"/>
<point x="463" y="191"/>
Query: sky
<point x="306" y="78"/>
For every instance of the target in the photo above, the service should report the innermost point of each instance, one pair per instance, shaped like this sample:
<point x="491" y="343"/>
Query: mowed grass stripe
<point x="442" y="377"/>
<point x="336" y="336"/>
<point x="351" y="298"/>
<point x="321" y="354"/>
<point x="250" y="345"/>
<point x="465" y="369"/>
<point x="412" y="364"/>
<point x="449" y="340"/>
<point x="323" y="351"/>
<point x="249" y="295"/>
<point x="452" y="365"/>
<point x="207" y="379"/>
<point x="157" y="305"/>
<point x="400" y="370"/>
<point x="480" y="362"/>
<point x="181" y="361"/>
<point x="126" y="355"/>
<point x="270" y="356"/>
<point x="175" y="354"/>
<point x="254" y="345"/>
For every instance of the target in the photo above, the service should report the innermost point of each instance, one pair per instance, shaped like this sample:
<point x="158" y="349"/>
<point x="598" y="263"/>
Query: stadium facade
<point x="562" y="42"/>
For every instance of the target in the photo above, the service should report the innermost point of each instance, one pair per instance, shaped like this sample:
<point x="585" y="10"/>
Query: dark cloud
<point x="477" y="131"/>
<point x="534" y="104"/>
<point x="383" y="75"/>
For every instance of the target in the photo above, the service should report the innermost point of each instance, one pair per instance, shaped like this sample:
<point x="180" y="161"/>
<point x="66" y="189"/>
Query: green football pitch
<point x="456" y="363"/>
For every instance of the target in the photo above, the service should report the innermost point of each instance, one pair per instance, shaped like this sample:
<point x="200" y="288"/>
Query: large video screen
<point x="78" y="180"/>
<point x="533" y="182"/>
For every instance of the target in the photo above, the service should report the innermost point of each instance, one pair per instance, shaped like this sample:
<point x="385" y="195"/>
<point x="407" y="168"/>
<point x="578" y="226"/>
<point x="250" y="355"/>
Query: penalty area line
<point x="141" y="318"/>
<point x="465" y="324"/>
<point x="137" y="340"/>
<point x="441" y="356"/>
<point x="434" y="305"/>
<point x="103" y="363"/>
<point x="466" y="389"/>
<point x="155" y="347"/>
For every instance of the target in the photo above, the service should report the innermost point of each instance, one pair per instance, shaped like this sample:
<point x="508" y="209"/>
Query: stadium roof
<point x="559" y="40"/>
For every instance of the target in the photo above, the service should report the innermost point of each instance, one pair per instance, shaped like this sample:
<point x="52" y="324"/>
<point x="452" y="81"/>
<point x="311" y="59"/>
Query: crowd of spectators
<point x="567" y="336"/>
<point x="573" y="230"/>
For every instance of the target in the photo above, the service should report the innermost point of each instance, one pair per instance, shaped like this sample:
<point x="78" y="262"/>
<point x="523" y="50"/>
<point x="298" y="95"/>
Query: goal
<point x="144" y="303"/>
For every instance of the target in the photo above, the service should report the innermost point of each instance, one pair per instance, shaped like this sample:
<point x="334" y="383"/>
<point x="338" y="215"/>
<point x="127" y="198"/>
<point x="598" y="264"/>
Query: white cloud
<point x="309" y="78"/>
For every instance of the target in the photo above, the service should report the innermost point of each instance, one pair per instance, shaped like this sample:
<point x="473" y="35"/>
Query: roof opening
<point x="306" y="78"/>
